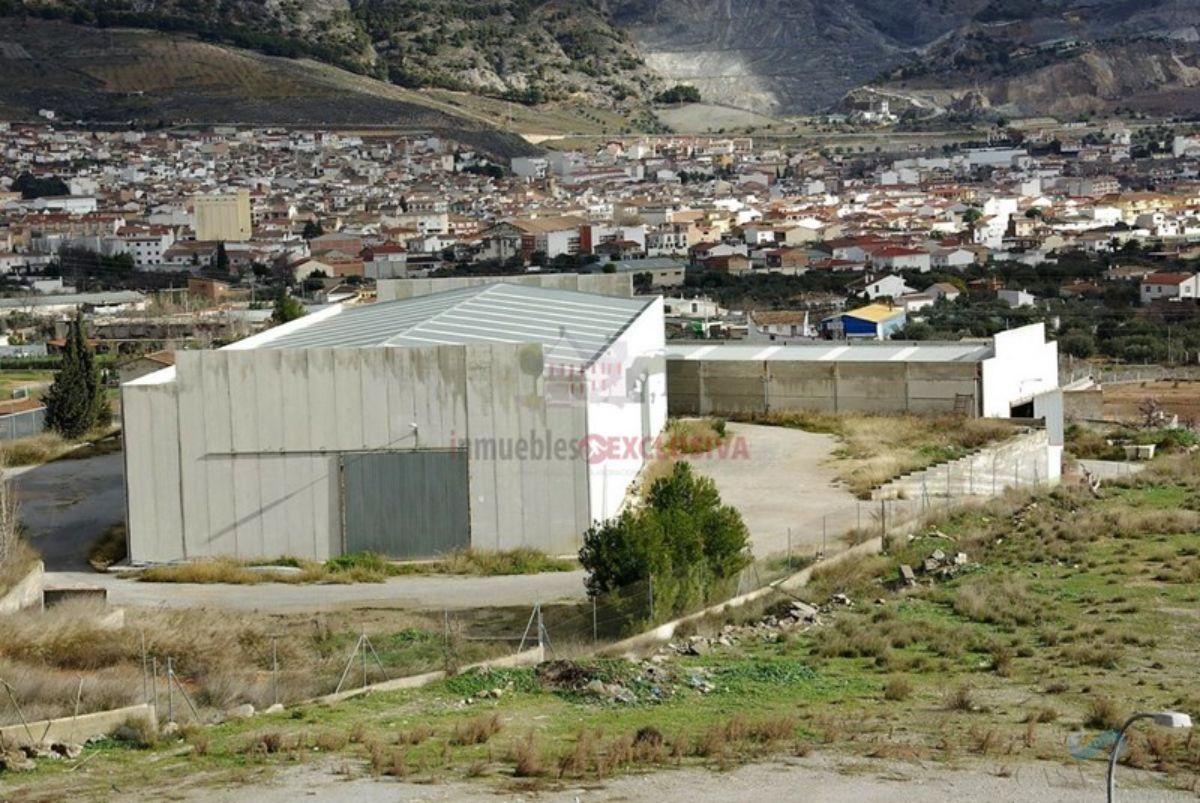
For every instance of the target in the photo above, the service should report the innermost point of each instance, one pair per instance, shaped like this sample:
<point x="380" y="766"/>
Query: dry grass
<point x="18" y="562"/>
<point x="1103" y="713"/>
<point x="998" y="600"/>
<point x="527" y="758"/>
<point x="477" y="731"/>
<point x="236" y="572"/>
<point x="34" y="450"/>
<point x="225" y="658"/>
<point x="684" y="436"/>
<point x="109" y="548"/>
<point x="363" y="567"/>
<point x="961" y="698"/>
<point x="49" y="446"/>
<point x="489" y="563"/>
<point x="879" y="448"/>
<point x="898" y="688"/>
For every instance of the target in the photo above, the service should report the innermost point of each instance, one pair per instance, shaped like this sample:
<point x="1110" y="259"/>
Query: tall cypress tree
<point x="75" y="402"/>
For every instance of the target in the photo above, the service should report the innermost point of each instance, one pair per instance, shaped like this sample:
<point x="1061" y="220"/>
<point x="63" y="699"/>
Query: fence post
<point x="595" y="629"/>
<point x="154" y="682"/>
<point x="275" y="669"/>
<point x="170" y="690"/>
<point x="145" y="678"/>
<point x="650" y="588"/>
<point x="362" y="643"/>
<point x="541" y="630"/>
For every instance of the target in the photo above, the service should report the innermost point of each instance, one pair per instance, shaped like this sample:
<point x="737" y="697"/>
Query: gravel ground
<point x="780" y="480"/>
<point x="819" y="777"/>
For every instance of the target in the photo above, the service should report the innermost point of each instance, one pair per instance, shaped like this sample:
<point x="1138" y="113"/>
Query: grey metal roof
<point x="840" y="351"/>
<point x="575" y="327"/>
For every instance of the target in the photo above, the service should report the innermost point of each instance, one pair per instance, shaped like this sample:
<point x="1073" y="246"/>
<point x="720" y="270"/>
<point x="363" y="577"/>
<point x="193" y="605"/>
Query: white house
<point x="896" y="257"/>
<point x="951" y="258"/>
<point x="890" y="286"/>
<point x="1016" y="298"/>
<point x="1165" y="286"/>
<point x="146" y="244"/>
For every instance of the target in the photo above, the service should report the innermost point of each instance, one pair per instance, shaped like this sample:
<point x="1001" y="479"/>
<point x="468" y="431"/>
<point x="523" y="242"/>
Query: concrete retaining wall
<point x="76" y="730"/>
<point x="603" y="284"/>
<point x="1026" y="460"/>
<point x="531" y="657"/>
<point x="1083" y="405"/>
<point x="27" y="593"/>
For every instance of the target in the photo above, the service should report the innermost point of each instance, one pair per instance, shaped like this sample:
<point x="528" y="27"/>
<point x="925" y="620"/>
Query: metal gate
<point x="405" y="504"/>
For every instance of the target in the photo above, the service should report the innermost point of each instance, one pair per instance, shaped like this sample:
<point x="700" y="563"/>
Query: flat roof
<point x="574" y="327"/>
<point x="835" y="351"/>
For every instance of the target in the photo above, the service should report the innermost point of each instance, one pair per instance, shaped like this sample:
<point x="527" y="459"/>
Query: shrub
<point x="684" y="539"/>
<point x="897" y="688"/>
<point x="997" y="600"/>
<point x="137" y="732"/>
<point x="477" y="730"/>
<point x="961" y="699"/>
<point x="527" y="757"/>
<point x="1103" y="713"/>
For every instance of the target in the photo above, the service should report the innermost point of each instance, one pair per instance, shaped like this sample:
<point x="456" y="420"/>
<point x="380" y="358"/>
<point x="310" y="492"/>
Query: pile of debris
<point x="938" y="566"/>
<point x="22" y="759"/>
<point x="791" y="616"/>
<point x="644" y="682"/>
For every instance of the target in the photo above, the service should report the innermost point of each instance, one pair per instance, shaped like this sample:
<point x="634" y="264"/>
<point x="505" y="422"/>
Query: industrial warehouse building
<point x="492" y="416"/>
<point x="1014" y="374"/>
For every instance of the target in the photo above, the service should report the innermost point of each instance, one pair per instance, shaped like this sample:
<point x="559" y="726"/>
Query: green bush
<point x="684" y="538"/>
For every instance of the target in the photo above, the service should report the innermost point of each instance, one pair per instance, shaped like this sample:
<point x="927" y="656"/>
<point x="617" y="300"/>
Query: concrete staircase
<point x="1023" y="461"/>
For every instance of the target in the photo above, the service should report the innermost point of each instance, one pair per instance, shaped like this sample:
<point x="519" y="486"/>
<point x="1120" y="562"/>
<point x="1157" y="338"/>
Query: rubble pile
<point x="23" y="759"/>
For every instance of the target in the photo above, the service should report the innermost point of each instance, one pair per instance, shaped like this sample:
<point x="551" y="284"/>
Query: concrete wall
<point x="1028" y="459"/>
<point x="1024" y="365"/>
<point x="730" y="387"/>
<point x="235" y="451"/>
<point x="76" y="730"/>
<point x="1083" y="405"/>
<point x="27" y="593"/>
<point x="603" y="284"/>
<point x="626" y="410"/>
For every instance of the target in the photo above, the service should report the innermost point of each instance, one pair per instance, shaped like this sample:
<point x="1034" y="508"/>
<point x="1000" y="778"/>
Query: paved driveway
<point x="66" y="504"/>
<point x="779" y="479"/>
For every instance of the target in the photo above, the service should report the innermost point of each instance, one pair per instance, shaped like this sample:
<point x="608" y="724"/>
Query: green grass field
<point x="1071" y="612"/>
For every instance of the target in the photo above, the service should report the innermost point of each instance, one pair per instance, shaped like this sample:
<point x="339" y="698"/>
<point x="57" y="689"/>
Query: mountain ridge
<point x="778" y="57"/>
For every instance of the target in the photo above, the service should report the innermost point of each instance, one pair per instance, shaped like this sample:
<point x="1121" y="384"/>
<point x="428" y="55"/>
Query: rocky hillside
<point x="117" y="77"/>
<point x="525" y="50"/>
<point x="775" y="56"/>
<point x="1003" y="71"/>
<point x="803" y="55"/>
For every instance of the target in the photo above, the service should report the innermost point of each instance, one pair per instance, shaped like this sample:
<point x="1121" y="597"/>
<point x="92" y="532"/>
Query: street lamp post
<point x="1166" y="719"/>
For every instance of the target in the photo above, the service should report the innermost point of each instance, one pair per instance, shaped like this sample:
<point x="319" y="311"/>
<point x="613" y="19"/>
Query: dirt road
<point x="780" y="478"/>
<point x="829" y="779"/>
